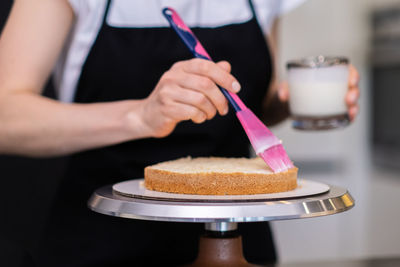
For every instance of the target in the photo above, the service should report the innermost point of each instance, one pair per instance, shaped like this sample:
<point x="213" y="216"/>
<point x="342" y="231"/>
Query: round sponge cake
<point x="218" y="176"/>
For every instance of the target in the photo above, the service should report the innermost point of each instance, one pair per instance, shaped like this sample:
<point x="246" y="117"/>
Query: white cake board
<point x="136" y="189"/>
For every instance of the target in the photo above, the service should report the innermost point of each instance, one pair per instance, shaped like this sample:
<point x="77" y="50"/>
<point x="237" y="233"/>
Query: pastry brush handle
<point x="198" y="51"/>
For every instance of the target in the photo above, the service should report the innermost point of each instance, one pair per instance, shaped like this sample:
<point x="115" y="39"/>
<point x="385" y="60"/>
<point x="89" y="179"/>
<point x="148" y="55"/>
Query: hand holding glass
<point x="317" y="88"/>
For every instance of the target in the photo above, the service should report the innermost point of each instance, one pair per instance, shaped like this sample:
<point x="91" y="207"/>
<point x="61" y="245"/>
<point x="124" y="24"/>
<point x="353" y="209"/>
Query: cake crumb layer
<point x="218" y="176"/>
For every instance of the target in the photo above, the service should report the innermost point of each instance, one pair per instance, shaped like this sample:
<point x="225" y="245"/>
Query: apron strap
<point x="253" y="11"/>
<point x="106" y="12"/>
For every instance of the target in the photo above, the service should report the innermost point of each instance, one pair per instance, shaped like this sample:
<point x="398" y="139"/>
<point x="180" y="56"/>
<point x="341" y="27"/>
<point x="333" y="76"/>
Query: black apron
<point x="126" y="63"/>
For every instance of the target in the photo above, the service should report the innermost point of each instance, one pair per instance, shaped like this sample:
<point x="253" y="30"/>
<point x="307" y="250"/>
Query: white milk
<point x="318" y="92"/>
<point x="318" y="99"/>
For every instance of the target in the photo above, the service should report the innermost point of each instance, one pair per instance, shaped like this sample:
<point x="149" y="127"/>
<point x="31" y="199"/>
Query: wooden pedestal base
<point x="222" y="250"/>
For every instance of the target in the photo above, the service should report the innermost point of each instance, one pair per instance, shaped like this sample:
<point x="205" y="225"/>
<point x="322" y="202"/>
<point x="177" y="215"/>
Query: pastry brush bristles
<point x="277" y="159"/>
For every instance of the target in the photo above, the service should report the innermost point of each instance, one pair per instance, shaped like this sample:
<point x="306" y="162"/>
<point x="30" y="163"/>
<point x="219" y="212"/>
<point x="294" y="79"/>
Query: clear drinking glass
<point x="317" y="89"/>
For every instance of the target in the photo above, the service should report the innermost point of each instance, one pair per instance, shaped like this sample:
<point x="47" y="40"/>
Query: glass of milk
<point x="317" y="89"/>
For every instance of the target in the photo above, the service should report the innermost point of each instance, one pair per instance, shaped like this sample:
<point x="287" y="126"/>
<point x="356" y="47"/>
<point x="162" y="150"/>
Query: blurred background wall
<point x="344" y="157"/>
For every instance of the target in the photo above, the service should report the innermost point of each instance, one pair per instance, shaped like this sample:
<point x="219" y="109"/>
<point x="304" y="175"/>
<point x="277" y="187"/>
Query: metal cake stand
<point x="221" y="245"/>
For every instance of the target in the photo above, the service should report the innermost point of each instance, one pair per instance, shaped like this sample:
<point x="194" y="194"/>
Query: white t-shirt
<point x="147" y="13"/>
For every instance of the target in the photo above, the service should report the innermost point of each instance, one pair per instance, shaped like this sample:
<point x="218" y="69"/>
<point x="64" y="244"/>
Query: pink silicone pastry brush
<point x="264" y="142"/>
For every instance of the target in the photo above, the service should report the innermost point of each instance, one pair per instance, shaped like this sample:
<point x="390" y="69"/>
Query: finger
<point x="354" y="76"/>
<point x="353" y="111"/>
<point x="183" y="112"/>
<point x="352" y="96"/>
<point x="196" y="99"/>
<point x="214" y="72"/>
<point x="207" y="88"/>
<point x="283" y="92"/>
<point x="225" y="65"/>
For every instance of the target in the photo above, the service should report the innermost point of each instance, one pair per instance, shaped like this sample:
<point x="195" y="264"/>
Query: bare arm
<point x="275" y="110"/>
<point x="29" y="123"/>
<point x="36" y="126"/>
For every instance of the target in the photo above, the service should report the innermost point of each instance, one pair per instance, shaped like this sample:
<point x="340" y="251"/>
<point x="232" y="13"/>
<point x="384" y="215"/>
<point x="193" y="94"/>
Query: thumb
<point x="283" y="91"/>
